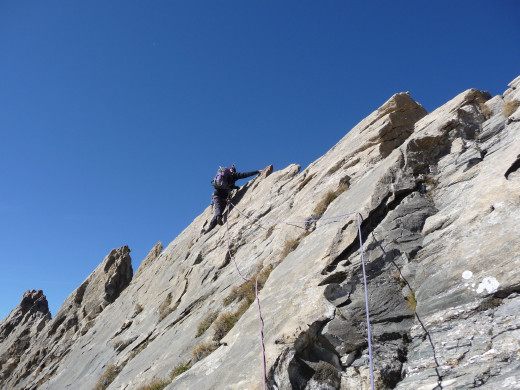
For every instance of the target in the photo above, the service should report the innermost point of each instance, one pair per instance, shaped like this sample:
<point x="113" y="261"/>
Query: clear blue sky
<point x="114" y="115"/>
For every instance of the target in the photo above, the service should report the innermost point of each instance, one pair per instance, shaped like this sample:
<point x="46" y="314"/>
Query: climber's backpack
<point x="223" y="179"/>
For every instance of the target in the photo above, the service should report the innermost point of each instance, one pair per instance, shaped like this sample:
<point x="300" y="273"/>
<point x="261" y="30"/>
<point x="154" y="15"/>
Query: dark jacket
<point x="220" y="193"/>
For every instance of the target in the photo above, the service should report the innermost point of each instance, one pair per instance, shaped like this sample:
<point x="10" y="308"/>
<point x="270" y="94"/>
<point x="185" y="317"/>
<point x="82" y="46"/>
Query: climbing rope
<point x="261" y="322"/>
<point x="260" y="319"/>
<point x="437" y="365"/>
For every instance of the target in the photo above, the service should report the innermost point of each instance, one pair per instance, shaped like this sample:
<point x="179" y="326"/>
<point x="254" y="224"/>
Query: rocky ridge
<point x="438" y="194"/>
<point x="49" y="341"/>
<point x="17" y="329"/>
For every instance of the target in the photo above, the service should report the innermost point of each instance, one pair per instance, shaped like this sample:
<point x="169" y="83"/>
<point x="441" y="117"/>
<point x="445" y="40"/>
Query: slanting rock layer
<point x="438" y="197"/>
<point x="49" y="340"/>
<point x="18" y="330"/>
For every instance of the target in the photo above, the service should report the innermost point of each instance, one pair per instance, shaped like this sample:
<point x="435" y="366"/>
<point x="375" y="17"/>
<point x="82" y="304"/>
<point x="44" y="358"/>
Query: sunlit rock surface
<point x="438" y="196"/>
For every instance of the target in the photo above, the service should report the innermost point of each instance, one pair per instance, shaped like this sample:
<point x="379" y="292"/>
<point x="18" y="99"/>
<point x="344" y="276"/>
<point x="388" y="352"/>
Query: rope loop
<point x="359" y="222"/>
<point x="260" y="319"/>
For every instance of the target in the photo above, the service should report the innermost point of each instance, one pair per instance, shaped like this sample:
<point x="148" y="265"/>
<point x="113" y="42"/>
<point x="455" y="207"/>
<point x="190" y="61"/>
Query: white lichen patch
<point x="489" y="284"/>
<point x="467" y="275"/>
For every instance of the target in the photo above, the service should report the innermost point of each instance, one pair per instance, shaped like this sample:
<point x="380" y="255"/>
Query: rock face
<point x="49" y="341"/>
<point x="438" y="196"/>
<point x="17" y="330"/>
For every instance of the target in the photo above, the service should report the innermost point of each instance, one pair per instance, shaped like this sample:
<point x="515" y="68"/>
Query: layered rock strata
<point x="438" y="197"/>
<point x="18" y="330"/>
<point x="50" y="341"/>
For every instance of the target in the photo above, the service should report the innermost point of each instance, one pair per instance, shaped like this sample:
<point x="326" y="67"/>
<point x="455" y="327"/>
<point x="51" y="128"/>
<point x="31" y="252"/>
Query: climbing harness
<point x="261" y="322"/>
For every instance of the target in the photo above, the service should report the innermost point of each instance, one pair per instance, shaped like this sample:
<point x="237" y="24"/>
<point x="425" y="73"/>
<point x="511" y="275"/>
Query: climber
<point x="224" y="183"/>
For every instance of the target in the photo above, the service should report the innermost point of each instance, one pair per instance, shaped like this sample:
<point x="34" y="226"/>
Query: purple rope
<point x="260" y="320"/>
<point x="256" y="282"/>
<point x="261" y="327"/>
<point x="366" y="302"/>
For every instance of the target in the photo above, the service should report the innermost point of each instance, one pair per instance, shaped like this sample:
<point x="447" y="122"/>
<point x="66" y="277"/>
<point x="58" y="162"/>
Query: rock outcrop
<point x="19" y="329"/>
<point x="49" y="341"/>
<point x="438" y="197"/>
